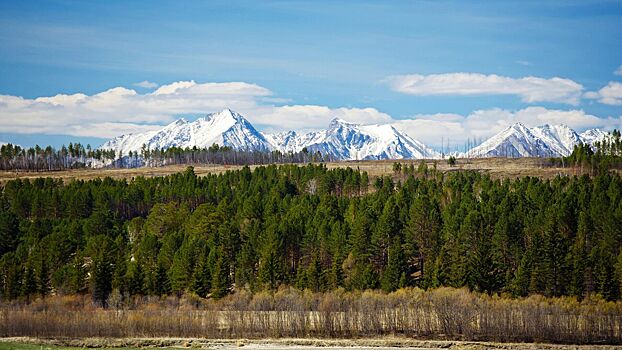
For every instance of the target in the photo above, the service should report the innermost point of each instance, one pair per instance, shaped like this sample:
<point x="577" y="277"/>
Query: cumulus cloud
<point x="481" y="124"/>
<point x="610" y="94"/>
<point x="618" y="71"/>
<point x="146" y="84"/>
<point x="530" y="89"/>
<point x="120" y="110"/>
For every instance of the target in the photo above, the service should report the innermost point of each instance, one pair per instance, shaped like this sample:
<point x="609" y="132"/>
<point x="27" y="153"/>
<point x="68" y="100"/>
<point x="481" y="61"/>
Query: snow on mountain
<point x="345" y="140"/>
<point x="541" y="141"/>
<point x="348" y="141"/>
<point x="342" y="140"/>
<point x="514" y="141"/>
<point x="561" y="139"/>
<point x="225" y="128"/>
<point x="291" y="141"/>
<point x="592" y="135"/>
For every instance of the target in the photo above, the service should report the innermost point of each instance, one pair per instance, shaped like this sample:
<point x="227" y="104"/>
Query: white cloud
<point x="314" y="117"/>
<point x="120" y="110"/>
<point x="530" y="89"/>
<point x="618" y="71"/>
<point x="481" y="124"/>
<point x="610" y="94"/>
<point x="146" y="84"/>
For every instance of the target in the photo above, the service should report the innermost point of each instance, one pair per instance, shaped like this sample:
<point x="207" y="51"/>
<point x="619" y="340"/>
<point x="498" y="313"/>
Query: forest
<point x="312" y="228"/>
<point x="305" y="250"/>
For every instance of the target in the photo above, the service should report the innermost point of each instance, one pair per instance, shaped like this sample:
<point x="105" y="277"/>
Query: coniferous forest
<point x="314" y="229"/>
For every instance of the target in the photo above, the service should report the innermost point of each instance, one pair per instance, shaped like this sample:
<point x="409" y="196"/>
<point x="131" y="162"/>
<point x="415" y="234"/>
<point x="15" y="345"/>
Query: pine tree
<point x="271" y="263"/>
<point x="392" y="277"/>
<point x="134" y="278"/>
<point x="101" y="250"/>
<point x="220" y="275"/>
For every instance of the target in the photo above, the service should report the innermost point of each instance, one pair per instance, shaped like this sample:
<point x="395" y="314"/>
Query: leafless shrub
<point x="441" y="313"/>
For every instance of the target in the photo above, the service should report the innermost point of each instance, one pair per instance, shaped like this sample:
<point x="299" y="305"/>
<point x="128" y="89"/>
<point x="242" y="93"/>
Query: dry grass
<point x="387" y="342"/>
<point x="496" y="167"/>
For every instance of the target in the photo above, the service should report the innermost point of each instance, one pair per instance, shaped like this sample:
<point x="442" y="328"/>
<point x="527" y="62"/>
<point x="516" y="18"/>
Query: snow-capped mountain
<point x="291" y="141"/>
<point x="560" y="139"/>
<point x="342" y="140"/>
<point x="349" y="141"/>
<point x="225" y="128"/>
<point x="592" y="135"/>
<point x="546" y="140"/>
<point x="514" y="141"/>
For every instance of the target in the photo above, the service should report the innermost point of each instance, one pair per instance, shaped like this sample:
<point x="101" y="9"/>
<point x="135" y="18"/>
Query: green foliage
<point x="315" y="228"/>
<point x="451" y="161"/>
<point x="602" y="156"/>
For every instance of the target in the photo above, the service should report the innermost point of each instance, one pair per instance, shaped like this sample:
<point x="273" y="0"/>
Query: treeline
<point x="312" y="228"/>
<point x="600" y="157"/>
<point x="443" y="313"/>
<point x="216" y="154"/>
<point x="76" y="156"/>
<point x="13" y="157"/>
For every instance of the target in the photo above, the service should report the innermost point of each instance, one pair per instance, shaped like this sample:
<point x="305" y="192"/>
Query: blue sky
<point x="389" y="61"/>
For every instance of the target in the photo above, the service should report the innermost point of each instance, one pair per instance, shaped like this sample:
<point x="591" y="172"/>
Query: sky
<point x="441" y="71"/>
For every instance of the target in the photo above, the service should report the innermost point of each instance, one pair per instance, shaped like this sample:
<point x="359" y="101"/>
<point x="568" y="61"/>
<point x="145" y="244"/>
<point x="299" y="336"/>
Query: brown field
<point x="496" y="167"/>
<point x="387" y="342"/>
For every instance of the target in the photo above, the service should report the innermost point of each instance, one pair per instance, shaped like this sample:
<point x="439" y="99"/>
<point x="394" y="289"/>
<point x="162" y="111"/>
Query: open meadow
<point x="495" y="167"/>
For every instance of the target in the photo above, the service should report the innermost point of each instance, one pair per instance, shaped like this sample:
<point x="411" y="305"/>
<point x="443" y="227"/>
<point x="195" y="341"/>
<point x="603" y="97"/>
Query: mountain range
<point x="342" y="140"/>
<point x="546" y="140"/>
<point x="347" y="141"/>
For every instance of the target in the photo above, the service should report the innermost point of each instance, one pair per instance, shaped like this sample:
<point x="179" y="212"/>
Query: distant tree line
<point x="602" y="156"/>
<point x="313" y="228"/>
<point x="76" y="156"/>
<point x="13" y="157"/>
<point x="216" y="154"/>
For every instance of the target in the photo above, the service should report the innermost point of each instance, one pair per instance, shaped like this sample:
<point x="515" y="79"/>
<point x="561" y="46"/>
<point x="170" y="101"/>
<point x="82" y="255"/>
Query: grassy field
<point x="496" y="167"/>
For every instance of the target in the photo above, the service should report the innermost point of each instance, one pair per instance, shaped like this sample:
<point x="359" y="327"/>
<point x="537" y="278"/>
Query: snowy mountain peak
<point x="518" y="140"/>
<point x="593" y="135"/>
<point x="342" y="140"/>
<point x="226" y="128"/>
<point x="350" y="141"/>
<point x="560" y="138"/>
<point x="338" y="122"/>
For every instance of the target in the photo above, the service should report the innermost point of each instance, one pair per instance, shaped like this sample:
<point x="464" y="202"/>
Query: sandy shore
<point x="297" y="344"/>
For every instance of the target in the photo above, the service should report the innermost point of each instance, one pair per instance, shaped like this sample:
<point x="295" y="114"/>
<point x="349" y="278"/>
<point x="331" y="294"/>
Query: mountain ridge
<point x="343" y="140"/>
<point x="547" y="140"/>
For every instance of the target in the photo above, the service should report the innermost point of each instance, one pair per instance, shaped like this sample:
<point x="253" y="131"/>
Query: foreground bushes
<point x="440" y="313"/>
